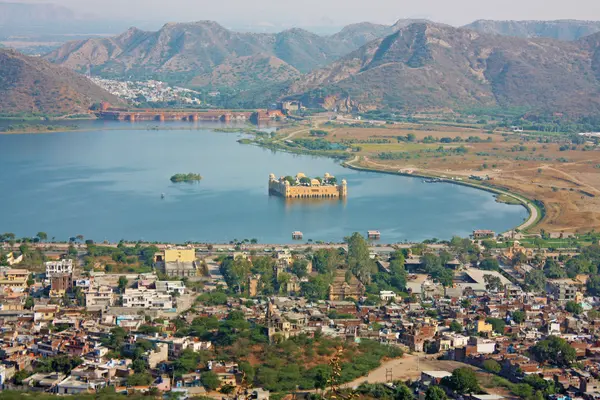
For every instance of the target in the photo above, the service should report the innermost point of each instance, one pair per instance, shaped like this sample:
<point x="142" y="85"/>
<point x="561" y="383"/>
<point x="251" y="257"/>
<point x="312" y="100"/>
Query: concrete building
<point x="169" y="287"/>
<point x="157" y="355"/>
<point x="101" y="296"/>
<point x="562" y="290"/>
<point x="15" y="278"/>
<point x="60" y="284"/>
<point x="147" y="298"/>
<point x="59" y="267"/>
<point x="177" y="262"/>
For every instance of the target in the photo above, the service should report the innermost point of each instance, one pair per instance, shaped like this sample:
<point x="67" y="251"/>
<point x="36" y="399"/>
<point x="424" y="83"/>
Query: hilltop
<point x="432" y="66"/>
<point x="565" y="29"/>
<point x="32" y="85"/>
<point x="200" y="52"/>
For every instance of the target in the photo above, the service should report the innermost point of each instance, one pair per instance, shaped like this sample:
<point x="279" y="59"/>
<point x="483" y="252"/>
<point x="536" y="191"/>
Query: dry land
<point x="540" y="167"/>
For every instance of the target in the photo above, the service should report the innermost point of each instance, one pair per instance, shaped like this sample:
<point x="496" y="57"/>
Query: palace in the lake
<point x="303" y="187"/>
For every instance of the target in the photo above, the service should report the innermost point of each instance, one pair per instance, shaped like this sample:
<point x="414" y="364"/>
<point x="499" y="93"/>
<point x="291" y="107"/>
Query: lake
<point x="106" y="184"/>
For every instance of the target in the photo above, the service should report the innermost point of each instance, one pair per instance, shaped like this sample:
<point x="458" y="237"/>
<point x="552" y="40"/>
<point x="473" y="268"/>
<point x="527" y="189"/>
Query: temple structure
<point x="303" y="187"/>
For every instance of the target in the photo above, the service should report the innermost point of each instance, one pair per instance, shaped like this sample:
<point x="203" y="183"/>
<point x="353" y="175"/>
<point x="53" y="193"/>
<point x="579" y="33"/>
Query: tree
<point x="143" y="379"/>
<point x="492" y="366"/>
<point x="305" y="181"/>
<point x="574" y="307"/>
<point x="497" y="324"/>
<point x="122" y="283"/>
<point x="316" y="288"/>
<point x="593" y="285"/>
<point x="456" y="327"/>
<point x="490" y="264"/>
<point x="519" y="259"/>
<point x="210" y="380"/>
<point x="42" y="236"/>
<point x="299" y="268"/>
<point x="518" y="316"/>
<point x="493" y="283"/>
<point x="435" y="393"/>
<point x="403" y="392"/>
<point x="359" y="259"/>
<point x="29" y="303"/>
<point x="554" y="349"/>
<point x="411" y="137"/>
<point x="553" y="270"/>
<point x="463" y="381"/>
<point x="536" y="279"/>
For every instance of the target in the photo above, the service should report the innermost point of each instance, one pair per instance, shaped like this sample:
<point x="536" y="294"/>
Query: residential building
<point x="147" y="298"/>
<point x="100" y="296"/>
<point x="170" y="287"/>
<point x="177" y="262"/>
<point x="59" y="267"/>
<point x="15" y="278"/>
<point x="562" y="290"/>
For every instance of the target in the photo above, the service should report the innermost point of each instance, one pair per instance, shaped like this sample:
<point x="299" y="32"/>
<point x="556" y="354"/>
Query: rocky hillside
<point x="195" y="52"/>
<point x="431" y="66"/>
<point x="32" y="85"/>
<point x="560" y="30"/>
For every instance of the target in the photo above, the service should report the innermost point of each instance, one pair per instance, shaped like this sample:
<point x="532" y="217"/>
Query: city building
<point x="562" y="290"/>
<point x="303" y="187"/>
<point x="177" y="262"/>
<point x="169" y="287"/>
<point x="147" y="299"/>
<point x="100" y="296"/>
<point x="59" y="267"/>
<point x="15" y="278"/>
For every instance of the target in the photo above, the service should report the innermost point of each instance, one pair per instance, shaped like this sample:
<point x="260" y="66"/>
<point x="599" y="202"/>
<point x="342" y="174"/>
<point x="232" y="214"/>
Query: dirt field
<point x="540" y="167"/>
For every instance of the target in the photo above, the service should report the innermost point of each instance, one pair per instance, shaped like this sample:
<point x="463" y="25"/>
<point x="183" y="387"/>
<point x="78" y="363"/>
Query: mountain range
<point x="432" y="66"/>
<point x="205" y="53"/>
<point x="413" y="64"/>
<point x="31" y="85"/>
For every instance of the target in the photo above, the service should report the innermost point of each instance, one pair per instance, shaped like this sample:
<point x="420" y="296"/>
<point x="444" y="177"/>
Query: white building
<point x="147" y="298"/>
<point x="169" y="287"/>
<point x="54" y="268"/>
<point x="387" y="295"/>
<point x="101" y="296"/>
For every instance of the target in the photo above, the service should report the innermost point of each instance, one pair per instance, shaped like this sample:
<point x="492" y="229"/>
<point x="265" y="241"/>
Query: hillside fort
<point x="302" y="187"/>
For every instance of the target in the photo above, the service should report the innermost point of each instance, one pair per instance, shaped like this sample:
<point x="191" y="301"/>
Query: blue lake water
<point x="106" y="184"/>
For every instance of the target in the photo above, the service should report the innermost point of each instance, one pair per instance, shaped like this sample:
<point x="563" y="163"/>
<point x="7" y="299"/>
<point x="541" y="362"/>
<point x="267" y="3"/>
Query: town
<point x="485" y="318"/>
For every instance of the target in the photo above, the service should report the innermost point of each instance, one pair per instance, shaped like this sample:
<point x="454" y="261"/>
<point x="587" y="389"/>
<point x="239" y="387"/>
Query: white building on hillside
<point x="54" y="268"/>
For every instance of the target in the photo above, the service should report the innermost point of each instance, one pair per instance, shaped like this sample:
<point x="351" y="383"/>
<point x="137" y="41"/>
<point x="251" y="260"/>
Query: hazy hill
<point x="32" y="85"/>
<point x="560" y="29"/>
<point x="432" y="66"/>
<point x="194" y="52"/>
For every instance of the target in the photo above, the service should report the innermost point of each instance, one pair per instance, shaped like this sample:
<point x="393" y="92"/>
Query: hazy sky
<point x="331" y="12"/>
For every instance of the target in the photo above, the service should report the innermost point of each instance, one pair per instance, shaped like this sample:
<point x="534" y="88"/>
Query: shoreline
<point x="536" y="214"/>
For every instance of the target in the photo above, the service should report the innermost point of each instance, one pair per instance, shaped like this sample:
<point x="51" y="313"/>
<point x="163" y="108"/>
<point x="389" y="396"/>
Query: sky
<point x="329" y="12"/>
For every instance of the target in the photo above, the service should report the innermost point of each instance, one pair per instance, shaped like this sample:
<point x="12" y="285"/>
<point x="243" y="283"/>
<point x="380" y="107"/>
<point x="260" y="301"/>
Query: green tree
<point x="553" y="270"/>
<point x="593" y="285"/>
<point x="493" y="283"/>
<point x="42" y="236"/>
<point x="518" y="316"/>
<point x="492" y="366"/>
<point x="299" y="268"/>
<point x="489" y="264"/>
<point x="435" y="393"/>
<point x="316" y="288"/>
<point x="462" y="381"/>
<point x="210" y="380"/>
<point x="359" y="259"/>
<point x="411" y="137"/>
<point x="403" y="392"/>
<point x="574" y="307"/>
<point x="456" y="327"/>
<point x="29" y="303"/>
<point x="122" y="283"/>
<point x="142" y="379"/>
<point x="497" y="324"/>
<point x="536" y="279"/>
<point x="554" y="350"/>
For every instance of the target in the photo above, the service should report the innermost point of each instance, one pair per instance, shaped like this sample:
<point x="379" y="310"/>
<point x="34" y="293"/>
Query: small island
<point x="191" y="177"/>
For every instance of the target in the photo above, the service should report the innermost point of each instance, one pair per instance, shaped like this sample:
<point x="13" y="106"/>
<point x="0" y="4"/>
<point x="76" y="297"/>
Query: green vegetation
<point x="554" y="350"/>
<point x="191" y="177"/>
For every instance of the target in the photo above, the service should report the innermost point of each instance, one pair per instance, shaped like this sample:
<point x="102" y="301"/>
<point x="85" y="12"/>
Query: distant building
<point x="15" y="278"/>
<point x="562" y="290"/>
<point x="177" y="262"/>
<point x="341" y="290"/>
<point x="170" y="287"/>
<point x="59" y="267"/>
<point x="60" y="284"/>
<point x="101" y="296"/>
<point x="147" y="298"/>
<point x="483" y="234"/>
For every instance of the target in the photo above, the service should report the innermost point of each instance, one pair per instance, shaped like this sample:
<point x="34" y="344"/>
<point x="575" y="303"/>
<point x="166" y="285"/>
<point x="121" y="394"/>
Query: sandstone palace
<point x="303" y="187"/>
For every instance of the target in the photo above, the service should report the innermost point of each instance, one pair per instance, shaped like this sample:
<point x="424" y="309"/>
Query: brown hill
<point x="195" y="52"/>
<point x="32" y="85"/>
<point x="431" y="66"/>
